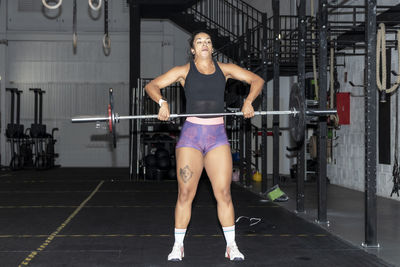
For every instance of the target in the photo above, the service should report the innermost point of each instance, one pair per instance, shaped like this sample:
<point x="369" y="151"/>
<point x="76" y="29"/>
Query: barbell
<point x="297" y="112"/>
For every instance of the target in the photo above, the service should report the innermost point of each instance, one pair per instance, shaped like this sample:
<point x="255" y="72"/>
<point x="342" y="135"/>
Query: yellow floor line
<point x="30" y="257"/>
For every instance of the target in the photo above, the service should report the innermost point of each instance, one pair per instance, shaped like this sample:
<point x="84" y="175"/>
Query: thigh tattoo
<point x="185" y="173"/>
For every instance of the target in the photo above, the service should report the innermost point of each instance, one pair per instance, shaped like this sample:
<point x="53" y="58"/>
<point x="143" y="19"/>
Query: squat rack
<point x="364" y="32"/>
<point x="366" y="36"/>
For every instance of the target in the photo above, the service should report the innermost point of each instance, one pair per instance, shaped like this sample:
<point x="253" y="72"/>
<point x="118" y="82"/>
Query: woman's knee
<point x="223" y="195"/>
<point x="186" y="195"/>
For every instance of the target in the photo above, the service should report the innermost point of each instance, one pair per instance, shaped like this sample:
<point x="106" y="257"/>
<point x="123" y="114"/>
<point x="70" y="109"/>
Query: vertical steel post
<point x="322" y="127"/>
<point x="247" y="123"/>
<point x="18" y="110"/>
<point x="12" y="106"/>
<point x="134" y="75"/>
<point x="264" y="126"/>
<point x="275" y="119"/>
<point x="40" y="106"/>
<point x="301" y="69"/>
<point x="370" y="126"/>
<point x="248" y="131"/>
<point x="241" y="150"/>
<point x="36" y="106"/>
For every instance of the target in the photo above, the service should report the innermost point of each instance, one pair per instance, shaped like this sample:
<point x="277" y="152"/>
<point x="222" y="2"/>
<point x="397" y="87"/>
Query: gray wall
<point x="40" y="54"/>
<point x="3" y="21"/>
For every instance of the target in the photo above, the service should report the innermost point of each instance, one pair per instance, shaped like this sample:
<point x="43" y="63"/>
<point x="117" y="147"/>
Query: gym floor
<point x="346" y="216"/>
<point x="96" y="217"/>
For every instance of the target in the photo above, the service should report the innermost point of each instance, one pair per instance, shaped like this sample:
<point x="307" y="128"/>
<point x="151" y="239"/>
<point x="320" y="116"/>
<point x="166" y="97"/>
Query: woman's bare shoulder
<point x="184" y="67"/>
<point x="225" y="65"/>
<point x="226" y="68"/>
<point x="182" y="72"/>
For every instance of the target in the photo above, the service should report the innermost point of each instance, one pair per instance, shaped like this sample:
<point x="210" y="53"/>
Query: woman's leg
<point x="218" y="164"/>
<point x="189" y="166"/>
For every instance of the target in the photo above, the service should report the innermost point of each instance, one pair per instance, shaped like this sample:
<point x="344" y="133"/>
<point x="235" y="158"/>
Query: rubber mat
<point x="96" y="217"/>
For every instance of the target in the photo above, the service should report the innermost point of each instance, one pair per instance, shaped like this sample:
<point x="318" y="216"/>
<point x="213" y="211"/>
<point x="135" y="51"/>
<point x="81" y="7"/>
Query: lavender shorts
<point x="202" y="137"/>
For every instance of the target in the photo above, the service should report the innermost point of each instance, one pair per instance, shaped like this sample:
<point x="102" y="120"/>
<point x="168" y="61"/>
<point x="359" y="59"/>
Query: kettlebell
<point x="257" y="177"/>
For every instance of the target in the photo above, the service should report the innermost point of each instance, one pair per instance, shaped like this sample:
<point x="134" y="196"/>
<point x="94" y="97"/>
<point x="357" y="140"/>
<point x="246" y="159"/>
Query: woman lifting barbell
<point x="203" y="142"/>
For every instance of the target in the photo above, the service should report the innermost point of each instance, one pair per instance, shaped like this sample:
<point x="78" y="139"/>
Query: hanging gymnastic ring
<point x="52" y="6"/>
<point x="74" y="40"/>
<point x="106" y="41"/>
<point x="93" y="7"/>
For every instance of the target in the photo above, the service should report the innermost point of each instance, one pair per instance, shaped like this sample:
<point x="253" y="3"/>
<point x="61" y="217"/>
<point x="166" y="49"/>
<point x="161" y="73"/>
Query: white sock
<point x="179" y="235"/>
<point x="229" y="233"/>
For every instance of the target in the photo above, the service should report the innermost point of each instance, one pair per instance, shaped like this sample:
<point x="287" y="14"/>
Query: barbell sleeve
<point x="317" y="112"/>
<point x="92" y="118"/>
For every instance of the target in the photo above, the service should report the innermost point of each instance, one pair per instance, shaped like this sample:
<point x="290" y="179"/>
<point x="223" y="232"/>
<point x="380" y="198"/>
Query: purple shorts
<point x="202" y="137"/>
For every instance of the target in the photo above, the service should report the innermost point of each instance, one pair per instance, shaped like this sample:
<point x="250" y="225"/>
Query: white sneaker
<point x="177" y="253"/>
<point x="232" y="252"/>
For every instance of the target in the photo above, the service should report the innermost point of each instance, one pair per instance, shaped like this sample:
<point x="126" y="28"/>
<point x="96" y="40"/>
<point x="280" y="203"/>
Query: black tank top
<point x="204" y="92"/>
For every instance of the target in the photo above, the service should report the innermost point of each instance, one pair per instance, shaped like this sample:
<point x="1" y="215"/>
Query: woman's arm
<point x="256" y="84"/>
<point x="176" y="74"/>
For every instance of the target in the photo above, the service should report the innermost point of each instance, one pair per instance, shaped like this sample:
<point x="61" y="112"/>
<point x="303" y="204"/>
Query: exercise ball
<point x="151" y="174"/>
<point x="161" y="174"/>
<point x="172" y="174"/>
<point x="163" y="163"/>
<point x="161" y="153"/>
<point x="173" y="161"/>
<point x="150" y="161"/>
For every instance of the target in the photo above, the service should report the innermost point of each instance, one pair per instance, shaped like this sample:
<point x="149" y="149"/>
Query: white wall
<point x="347" y="168"/>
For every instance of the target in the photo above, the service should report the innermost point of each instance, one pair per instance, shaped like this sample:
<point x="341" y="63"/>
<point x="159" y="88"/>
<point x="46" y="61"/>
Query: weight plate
<point x="112" y="118"/>
<point x="297" y="121"/>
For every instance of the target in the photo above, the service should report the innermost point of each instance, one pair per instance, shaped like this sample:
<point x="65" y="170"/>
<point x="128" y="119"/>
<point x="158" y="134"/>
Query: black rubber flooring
<point x="57" y="218"/>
